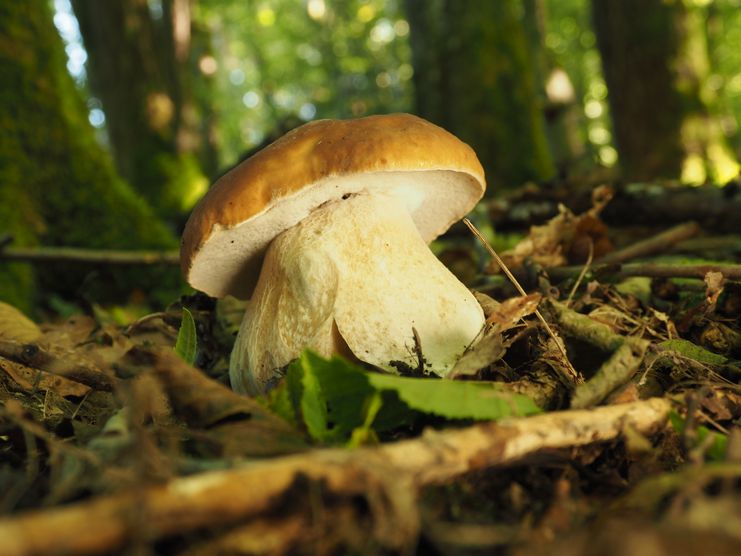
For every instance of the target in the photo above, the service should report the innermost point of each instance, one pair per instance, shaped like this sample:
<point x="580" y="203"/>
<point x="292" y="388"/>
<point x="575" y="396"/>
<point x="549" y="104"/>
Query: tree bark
<point x="57" y="185"/>
<point x="140" y="67"/>
<point x="473" y="75"/>
<point x="655" y="62"/>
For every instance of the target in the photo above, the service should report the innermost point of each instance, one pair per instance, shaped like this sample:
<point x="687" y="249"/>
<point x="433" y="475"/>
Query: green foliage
<point x="715" y="444"/>
<point x="337" y="400"/>
<point x="571" y="45"/>
<point x="184" y="183"/>
<point x="186" y="345"/>
<point x="280" y="62"/>
<point x="724" y="45"/>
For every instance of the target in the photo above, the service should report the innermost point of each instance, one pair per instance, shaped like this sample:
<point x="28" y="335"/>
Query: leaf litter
<point x="340" y="458"/>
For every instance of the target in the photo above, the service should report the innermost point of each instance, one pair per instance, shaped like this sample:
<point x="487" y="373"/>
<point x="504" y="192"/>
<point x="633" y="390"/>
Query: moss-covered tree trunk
<point x="140" y="66"/>
<point x="474" y="75"/>
<point x="655" y="62"/>
<point x="57" y="185"/>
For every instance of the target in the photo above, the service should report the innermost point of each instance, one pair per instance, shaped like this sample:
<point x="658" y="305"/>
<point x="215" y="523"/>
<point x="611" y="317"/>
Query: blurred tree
<point x="655" y="62"/>
<point x="473" y="74"/>
<point x="555" y="90"/>
<point x="57" y="185"/>
<point x="282" y="62"/>
<point x="140" y="65"/>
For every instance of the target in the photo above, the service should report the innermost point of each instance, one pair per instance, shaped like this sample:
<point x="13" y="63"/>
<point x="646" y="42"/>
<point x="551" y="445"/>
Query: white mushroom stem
<point x="354" y="274"/>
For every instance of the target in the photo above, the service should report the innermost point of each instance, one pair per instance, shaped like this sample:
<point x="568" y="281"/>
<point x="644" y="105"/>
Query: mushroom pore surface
<point x="354" y="274"/>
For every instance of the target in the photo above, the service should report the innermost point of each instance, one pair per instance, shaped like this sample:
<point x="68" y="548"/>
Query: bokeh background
<point x="117" y="115"/>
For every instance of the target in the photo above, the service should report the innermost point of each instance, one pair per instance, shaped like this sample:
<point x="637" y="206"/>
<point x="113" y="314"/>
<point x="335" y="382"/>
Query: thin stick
<point x="656" y="244"/>
<point x="88" y="256"/>
<point x="650" y="270"/>
<point x="574" y="375"/>
<point x="582" y="274"/>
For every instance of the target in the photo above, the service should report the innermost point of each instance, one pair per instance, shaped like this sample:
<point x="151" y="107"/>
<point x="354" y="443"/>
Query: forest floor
<point x="599" y="413"/>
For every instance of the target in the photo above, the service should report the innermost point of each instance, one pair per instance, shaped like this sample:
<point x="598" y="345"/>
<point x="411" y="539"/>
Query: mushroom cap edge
<point x="225" y="237"/>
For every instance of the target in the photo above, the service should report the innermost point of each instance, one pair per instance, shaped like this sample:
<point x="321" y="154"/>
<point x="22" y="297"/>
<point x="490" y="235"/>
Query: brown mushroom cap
<point x="225" y="238"/>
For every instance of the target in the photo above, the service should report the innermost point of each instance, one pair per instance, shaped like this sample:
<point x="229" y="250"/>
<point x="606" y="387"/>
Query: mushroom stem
<point x="355" y="274"/>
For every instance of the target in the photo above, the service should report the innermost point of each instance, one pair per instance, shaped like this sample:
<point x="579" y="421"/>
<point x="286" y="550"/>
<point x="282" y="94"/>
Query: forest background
<point x="117" y="115"/>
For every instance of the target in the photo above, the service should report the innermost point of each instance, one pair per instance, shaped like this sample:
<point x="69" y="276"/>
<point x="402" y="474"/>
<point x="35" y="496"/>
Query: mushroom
<point x="326" y="231"/>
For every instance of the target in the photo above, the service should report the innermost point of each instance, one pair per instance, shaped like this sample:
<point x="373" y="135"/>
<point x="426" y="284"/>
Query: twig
<point x="710" y="244"/>
<point x="573" y="374"/>
<point x="246" y="494"/>
<point x="625" y="359"/>
<point x="88" y="256"/>
<point x="729" y="271"/>
<point x="619" y="368"/>
<point x="582" y="274"/>
<point x="38" y="357"/>
<point x="656" y="244"/>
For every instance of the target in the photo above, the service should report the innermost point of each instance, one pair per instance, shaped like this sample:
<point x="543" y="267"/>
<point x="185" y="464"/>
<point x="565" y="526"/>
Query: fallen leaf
<point x="71" y="333"/>
<point x="30" y="379"/>
<point x="714" y="282"/>
<point x="513" y="310"/>
<point x="16" y="326"/>
<point x="489" y="349"/>
<point x="564" y="239"/>
<point x="221" y="421"/>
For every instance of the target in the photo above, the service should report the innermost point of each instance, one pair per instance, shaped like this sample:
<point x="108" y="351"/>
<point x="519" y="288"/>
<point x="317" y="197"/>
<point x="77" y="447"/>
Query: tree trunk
<point x="655" y="62"/>
<point x="473" y="75"/>
<point x="57" y="185"/>
<point x="556" y="93"/>
<point x="140" y="67"/>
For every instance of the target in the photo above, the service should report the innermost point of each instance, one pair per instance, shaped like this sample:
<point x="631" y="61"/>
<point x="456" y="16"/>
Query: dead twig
<point x="659" y="243"/>
<point x="396" y="471"/>
<point x="650" y="270"/>
<point x="626" y="354"/>
<point x="88" y="256"/>
<point x="573" y="375"/>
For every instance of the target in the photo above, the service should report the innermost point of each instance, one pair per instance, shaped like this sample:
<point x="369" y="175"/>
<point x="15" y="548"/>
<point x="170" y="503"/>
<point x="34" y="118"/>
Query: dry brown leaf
<point x="488" y="304"/>
<point x="16" y="326"/>
<point x="30" y="379"/>
<point x="499" y="318"/>
<point x="70" y="333"/>
<point x="487" y="350"/>
<point x="564" y="239"/>
<point x="714" y="282"/>
<point x="222" y="422"/>
<point x="512" y="311"/>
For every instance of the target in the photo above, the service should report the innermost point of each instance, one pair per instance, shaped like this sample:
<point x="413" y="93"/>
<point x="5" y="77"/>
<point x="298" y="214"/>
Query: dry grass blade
<point x="574" y="376"/>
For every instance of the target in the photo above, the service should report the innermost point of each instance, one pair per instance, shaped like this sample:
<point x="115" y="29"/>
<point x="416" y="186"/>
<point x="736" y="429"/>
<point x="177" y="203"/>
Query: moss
<point x="17" y="283"/>
<point x="58" y="185"/>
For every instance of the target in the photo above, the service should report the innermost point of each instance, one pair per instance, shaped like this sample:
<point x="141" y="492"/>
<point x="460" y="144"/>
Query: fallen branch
<point x="626" y="354"/>
<point x="387" y="477"/>
<point x="659" y="243"/>
<point x="729" y="271"/>
<point x="88" y="256"/>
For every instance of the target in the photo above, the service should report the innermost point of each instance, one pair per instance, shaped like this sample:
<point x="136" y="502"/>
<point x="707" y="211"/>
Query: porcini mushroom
<point x="326" y="231"/>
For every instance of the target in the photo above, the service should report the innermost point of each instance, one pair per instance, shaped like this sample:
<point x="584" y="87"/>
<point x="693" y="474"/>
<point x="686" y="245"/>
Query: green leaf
<point x="187" y="341"/>
<point x="693" y="351"/>
<point x="338" y="399"/>
<point x="715" y="449"/>
<point x="312" y="402"/>
<point x="456" y="399"/>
